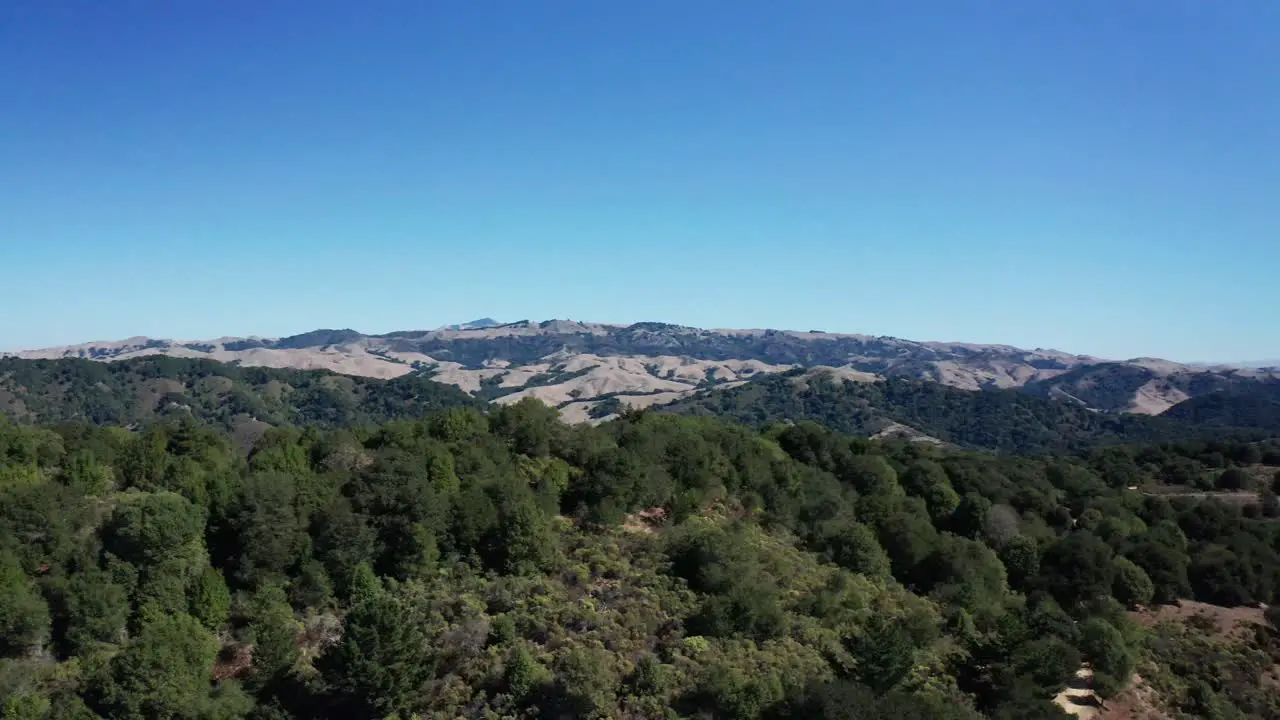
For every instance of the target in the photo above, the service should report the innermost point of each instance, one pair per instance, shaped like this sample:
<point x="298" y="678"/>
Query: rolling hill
<point x="1144" y="385"/>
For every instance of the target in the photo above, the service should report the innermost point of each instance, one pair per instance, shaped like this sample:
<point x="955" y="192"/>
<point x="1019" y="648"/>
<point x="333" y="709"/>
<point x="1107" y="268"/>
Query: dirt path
<point x="1077" y="698"/>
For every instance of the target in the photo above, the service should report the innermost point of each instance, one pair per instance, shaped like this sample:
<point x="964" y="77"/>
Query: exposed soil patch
<point x="645" y="522"/>
<point x="1225" y="622"/>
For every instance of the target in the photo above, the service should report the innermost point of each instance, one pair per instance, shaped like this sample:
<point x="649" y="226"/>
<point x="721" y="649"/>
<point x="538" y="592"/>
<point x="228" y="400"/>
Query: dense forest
<point x="1256" y="407"/>
<point x="464" y="564"/>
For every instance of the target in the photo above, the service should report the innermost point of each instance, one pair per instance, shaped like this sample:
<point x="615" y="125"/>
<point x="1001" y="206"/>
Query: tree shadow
<point x="1084" y="701"/>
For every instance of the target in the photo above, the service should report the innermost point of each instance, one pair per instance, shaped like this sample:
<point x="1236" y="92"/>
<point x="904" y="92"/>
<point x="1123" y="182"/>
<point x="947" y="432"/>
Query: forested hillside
<point x="156" y="387"/>
<point x="1003" y="420"/>
<point x="1257" y="406"/>
<point x="508" y="565"/>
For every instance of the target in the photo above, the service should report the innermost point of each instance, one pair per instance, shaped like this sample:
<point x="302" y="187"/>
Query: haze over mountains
<point x="588" y="370"/>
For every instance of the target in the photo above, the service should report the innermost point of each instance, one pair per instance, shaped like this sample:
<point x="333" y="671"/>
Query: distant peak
<point x="485" y="322"/>
<point x="317" y="338"/>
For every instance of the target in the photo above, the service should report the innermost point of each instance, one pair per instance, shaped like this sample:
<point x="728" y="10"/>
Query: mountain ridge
<point x="577" y="365"/>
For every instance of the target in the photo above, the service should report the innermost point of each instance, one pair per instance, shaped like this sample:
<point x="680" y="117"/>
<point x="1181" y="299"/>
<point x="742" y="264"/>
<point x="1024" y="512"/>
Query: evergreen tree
<point x="164" y="672"/>
<point x="210" y="600"/>
<point x="380" y="665"/>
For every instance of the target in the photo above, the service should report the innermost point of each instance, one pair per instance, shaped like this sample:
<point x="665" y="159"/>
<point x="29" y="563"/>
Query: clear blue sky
<point x="1091" y="175"/>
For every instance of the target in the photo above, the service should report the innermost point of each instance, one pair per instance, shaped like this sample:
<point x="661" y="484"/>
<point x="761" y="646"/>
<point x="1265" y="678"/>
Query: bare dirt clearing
<point x="1229" y="622"/>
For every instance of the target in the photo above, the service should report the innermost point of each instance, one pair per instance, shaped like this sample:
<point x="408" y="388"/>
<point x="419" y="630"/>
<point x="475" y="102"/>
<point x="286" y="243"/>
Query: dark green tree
<point x="966" y="574"/>
<point x="524" y="675"/>
<point x="1112" y="660"/>
<point x="24" y="615"/>
<point x="970" y="517"/>
<point x="274" y="633"/>
<point x="164" y="672"/>
<point x="854" y="546"/>
<point x="1021" y="558"/>
<point x="883" y="654"/>
<point x="343" y="540"/>
<point x="1234" y="479"/>
<point x="909" y="538"/>
<point x="1078" y="568"/>
<point x="210" y="599"/>
<point x="1166" y="567"/>
<point x="927" y="480"/>
<point x="585" y="682"/>
<point x="144" y="460"/>
<point x="1131" y="586"/>
<point x="96" y="611"/>
<point x="263" y="535"/>
<point x="1046" y="664"/>
<point x="871" y="475"/>
<point x="528" y="425"/>
<point x="146" y="528"/>
<point x="523" y="541"/>
<point x="1220" y="575"/>
<point x="382" y="662"/>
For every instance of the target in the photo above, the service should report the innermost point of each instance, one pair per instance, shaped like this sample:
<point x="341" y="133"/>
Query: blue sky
<point x="1096" y="176"/>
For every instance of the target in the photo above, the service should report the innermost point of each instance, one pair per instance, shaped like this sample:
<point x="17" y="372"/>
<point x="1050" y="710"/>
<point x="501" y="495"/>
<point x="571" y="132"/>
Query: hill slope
<point x="1256" y="406"/>
<point x="148" y="388"/>
<point x="1144" y="386"/>
<point x="1003" y="420"/>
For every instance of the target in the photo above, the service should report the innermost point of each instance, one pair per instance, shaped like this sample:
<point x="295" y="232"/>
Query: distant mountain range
<point x="1267" y="364"/>
<point x="591" y="370"/>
